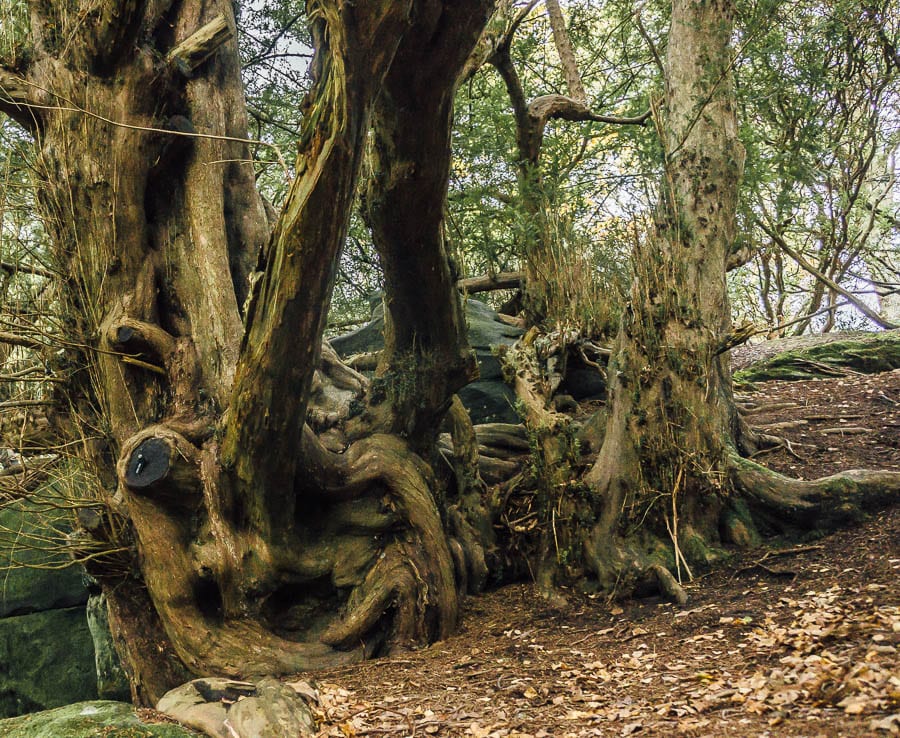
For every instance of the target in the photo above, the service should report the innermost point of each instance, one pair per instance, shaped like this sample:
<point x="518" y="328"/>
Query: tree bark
<point x="671" y="413"/>
<point x="426" y="356"/>
<point x="566" y="53"/>
<point x="256" y="549"/>
<point x="277" y="365"/>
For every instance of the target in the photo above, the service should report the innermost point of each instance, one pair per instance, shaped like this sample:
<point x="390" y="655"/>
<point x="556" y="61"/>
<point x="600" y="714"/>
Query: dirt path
<point x="797" y="642"/>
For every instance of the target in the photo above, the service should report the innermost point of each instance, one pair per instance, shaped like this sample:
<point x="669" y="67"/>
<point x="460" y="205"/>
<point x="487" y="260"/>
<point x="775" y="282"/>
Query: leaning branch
<point x="830" y="283"/>
<point x="565" y="51"/>
<point x="16" y="268"/>
<point x="18" y="99"/>
<point x="491" y="282"/>
<point x="545" y="107"/>
<point x="199" y="46"/>
<point x="14" y="339"/>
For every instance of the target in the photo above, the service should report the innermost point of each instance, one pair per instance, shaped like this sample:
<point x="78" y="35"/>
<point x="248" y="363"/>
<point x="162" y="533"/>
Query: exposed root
<point x="668" y="584"/>
<point x="382" y="540"/>
<point x="820" y="504"/>
<point x="413" y="576"/>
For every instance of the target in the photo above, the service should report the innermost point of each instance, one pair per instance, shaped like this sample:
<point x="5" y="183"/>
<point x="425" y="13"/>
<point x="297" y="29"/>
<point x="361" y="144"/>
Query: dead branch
<point x="491" y="282"/>
<point x="17" y="268"/>
<point x="199" y="46"/>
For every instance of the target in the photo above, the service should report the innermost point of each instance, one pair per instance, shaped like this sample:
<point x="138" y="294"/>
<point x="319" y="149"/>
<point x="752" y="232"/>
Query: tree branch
<point x="11" y="268"/>
<point x="18" y="99"/>
<point x="545" y="107"/>
<point x="831" y="284"/>
<point x="566" y="53"/>
<point x="14" y="339"/>
<point x="282" y="341"/>
<point x="199" y="46"/>
<point x="490" y="282"/>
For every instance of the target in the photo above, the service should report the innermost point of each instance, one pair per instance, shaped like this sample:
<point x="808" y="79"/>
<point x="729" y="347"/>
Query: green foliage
<point x="14" y="27"/>
<point x="817" y="81"/>
<point x="590" y="179"/>
<point x="818" y="89"/>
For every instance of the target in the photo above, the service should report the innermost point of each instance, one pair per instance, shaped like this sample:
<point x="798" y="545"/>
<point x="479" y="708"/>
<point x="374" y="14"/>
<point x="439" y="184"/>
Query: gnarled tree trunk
<point x="257" y="549"/>
<point x="671" y="487"/>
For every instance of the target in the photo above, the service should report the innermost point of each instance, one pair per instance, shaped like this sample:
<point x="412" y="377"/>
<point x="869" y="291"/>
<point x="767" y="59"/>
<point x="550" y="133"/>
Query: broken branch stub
<point x="199" y="46"/>
<point x="164" y="464"/>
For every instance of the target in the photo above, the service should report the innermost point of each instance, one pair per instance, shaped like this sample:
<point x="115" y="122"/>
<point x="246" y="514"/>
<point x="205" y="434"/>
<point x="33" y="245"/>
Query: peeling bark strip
<point x="355" y="46"/>
<point x="198" y="47"/>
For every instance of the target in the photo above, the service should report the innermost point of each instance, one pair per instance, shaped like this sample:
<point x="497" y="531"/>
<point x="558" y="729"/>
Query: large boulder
<point x="46" y="660"/>
<point x="24" y="589"/>
<point x="52" y="650"/>
<point x="489" y="399"/>
<point x="89" y="720"/>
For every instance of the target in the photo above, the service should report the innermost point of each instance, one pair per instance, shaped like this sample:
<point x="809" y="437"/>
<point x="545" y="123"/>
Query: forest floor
<point x="792" y="639"/>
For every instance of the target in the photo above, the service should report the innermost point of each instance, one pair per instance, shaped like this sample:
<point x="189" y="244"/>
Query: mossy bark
<point x="672" y="491"/>
<point x="256" y="549"/>
<point x="659" y="477"/>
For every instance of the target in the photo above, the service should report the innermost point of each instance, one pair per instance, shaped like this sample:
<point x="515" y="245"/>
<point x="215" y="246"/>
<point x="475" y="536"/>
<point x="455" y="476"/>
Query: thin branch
<point x="831" y="284"/>
<point x="518" y="20"/>
<point x="25" y="403"/>
<point x="646" y="36"/>
<point x="13" y="268"/>
<point x="14" y="339"/>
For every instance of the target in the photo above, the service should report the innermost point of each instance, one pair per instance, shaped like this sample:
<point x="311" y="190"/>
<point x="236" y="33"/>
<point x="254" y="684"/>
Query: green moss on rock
<point x="879" y="352"/>
<point x="46" y="660"/>
<point x="88" y="720"/>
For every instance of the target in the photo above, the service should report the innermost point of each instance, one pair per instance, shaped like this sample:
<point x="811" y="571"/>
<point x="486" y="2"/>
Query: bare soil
<point x="796" y="640"/>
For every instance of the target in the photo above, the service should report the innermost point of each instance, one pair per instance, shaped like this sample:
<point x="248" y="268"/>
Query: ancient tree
<point x="672" y="488"/>
<point x="258" y="548"/>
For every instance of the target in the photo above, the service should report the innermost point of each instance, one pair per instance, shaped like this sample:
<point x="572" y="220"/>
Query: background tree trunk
<point x="660" y="470"/>
<point x="426" y="357"/>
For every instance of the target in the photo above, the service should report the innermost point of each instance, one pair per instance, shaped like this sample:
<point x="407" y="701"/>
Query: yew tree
<point x="257" y="547"/>
<point x="673" y="482"/>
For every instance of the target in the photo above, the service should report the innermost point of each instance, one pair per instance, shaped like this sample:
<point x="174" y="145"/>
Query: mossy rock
<point x="46" y="660"/>
<point x="489" y="399"/>
<point x="24" y="588"/>
<point x="89" y="720"/>
<point x="878" y="352"/>
<point x="112" y="684"/>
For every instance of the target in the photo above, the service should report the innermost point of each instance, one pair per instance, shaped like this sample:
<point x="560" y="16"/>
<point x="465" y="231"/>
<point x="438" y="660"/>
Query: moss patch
<point x="871" y="355"/>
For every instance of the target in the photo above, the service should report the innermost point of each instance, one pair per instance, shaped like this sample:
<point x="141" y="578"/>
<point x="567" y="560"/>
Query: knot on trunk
<point x="162" y="464"/>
